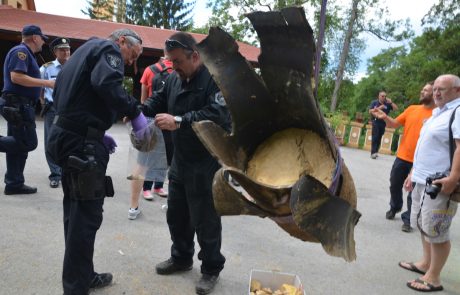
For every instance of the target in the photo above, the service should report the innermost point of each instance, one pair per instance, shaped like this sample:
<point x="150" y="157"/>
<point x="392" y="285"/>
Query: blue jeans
<point x="54" y="168"/>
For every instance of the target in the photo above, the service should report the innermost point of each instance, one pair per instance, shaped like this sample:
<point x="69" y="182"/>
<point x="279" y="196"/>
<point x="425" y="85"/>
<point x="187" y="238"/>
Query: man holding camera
<point x="433" y="211"/>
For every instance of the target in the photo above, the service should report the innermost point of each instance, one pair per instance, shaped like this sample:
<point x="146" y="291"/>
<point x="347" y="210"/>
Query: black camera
<point x="433" y="189"/>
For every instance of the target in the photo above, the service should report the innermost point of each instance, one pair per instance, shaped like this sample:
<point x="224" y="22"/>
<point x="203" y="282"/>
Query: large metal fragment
<point x="281" y="151"/>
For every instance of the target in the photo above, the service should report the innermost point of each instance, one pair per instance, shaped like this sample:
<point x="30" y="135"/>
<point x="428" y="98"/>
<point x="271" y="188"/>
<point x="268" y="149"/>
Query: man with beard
<point x="190" y="95"/>
<point x="21" y="91"/>
<point x="412" y="120"/>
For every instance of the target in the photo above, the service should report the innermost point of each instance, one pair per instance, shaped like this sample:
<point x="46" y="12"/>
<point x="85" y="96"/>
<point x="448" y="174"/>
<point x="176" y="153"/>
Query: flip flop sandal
<point x="411" y="267"/>
<point x="431" y="288"/>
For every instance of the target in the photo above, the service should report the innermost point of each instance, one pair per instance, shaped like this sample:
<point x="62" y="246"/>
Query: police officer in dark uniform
<point x="21" y="91"/>
<point x="189" y="95"/>
<point x="88" y="98"/>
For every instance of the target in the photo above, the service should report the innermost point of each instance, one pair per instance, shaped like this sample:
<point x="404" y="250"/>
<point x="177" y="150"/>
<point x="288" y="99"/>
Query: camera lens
<point x="433" y="190"/>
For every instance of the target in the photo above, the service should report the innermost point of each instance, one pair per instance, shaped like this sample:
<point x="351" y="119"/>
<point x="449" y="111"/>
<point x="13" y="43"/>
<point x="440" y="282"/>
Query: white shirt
<point x="432" y="151"/>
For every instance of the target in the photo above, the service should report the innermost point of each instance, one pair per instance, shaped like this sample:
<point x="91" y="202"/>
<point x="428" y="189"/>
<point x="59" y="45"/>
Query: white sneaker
<point x="133" y="213"/>
<point x="148" y="195"/>
<point x="374" y="156"/>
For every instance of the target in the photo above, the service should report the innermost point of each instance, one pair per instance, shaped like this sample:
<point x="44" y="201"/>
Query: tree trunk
<point x="344" y="53"/>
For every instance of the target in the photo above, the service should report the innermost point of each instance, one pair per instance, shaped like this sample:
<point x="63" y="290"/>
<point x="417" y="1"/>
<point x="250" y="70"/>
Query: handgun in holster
<point x="88" y="180"/>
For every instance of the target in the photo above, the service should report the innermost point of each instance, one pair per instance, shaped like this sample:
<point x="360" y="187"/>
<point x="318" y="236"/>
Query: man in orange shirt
<point x="412" y="120"/>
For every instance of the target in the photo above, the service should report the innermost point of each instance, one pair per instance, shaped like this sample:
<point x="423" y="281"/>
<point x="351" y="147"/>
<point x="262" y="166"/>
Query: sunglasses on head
<point x="174" y="44"/>
<point x="135" y="37"/>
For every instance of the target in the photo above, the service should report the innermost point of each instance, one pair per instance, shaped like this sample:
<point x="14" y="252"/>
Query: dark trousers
<point x="55" y="170"/>
<point x="18" y="142"/>
<point x="378" y="129"/>
<point x="82" y="219"/>
<point x="191" y="210"/>
<point x="398" y="174"/>
<point x="148" y="185"/>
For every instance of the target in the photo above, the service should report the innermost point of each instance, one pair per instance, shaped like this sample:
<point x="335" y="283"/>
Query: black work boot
<point x="206" y="284"/>
<point x="101" y="280"/>
<point x="169" y="267"/>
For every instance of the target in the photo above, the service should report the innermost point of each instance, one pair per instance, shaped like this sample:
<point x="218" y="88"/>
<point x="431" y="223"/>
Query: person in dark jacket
<point x="88" y="98"/>
<point x="190" y="95"/>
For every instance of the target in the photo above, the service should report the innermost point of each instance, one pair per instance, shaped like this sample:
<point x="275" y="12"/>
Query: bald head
<point x="446" y="88"/>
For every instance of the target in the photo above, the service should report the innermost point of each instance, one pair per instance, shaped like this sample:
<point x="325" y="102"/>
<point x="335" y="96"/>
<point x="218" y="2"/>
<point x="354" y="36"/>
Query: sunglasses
<point x="174" y="44"/>
<point x="135" y="37"/>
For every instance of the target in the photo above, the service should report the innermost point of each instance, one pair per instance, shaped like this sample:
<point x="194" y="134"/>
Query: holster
<point x="88" y="180"/>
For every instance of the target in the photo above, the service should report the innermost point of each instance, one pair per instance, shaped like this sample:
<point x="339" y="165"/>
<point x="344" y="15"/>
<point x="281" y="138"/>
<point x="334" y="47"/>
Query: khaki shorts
<point x="435" y="217"/>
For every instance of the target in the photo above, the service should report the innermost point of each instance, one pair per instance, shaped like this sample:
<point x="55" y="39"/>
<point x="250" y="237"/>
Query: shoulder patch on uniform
<point x="113" y="60"/>
<point x="47" y="64"/>
<point x="22" y="55"/>
<point x="219" y="98"/>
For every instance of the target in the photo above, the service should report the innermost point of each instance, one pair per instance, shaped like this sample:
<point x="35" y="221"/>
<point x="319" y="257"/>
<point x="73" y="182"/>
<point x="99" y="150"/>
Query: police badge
<point x="22" y="55"/>
<point x="113" y="60"/>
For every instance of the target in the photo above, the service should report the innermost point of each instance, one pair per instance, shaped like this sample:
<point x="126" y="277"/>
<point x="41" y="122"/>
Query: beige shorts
<point x="435" y="217"/>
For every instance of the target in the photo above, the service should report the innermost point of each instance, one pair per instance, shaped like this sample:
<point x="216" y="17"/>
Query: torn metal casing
<point x="279" y="101"/>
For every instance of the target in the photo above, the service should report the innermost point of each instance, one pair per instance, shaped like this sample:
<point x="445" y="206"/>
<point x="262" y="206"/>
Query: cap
<point x="60" y="43"/>
<point x="33" y="30"/>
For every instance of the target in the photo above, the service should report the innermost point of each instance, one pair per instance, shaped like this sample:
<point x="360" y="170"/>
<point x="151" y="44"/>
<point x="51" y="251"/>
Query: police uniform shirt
<point x="21" y="59"/>
<point x="387" y="109"/>
<point x="89" y="87"/>
<point x="49" y="71"/>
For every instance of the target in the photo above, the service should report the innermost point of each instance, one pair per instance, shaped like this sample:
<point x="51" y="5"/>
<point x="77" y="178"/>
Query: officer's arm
<point x="28" y="81"/>
<point x="157" y="103"/>
<point x="107" y="81"/>
<point x="215" y="110"/>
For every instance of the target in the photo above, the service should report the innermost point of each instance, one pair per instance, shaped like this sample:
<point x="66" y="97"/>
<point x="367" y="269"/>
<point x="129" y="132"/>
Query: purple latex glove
<point x="109" y="143"/>
<point x="139" y="125"/>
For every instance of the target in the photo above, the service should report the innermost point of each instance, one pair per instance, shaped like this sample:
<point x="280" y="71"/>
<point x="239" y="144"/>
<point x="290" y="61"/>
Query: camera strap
<point x="435" y="228"/>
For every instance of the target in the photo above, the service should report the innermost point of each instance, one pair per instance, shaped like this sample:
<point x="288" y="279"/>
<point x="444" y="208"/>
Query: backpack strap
<point x="452" y="145"/>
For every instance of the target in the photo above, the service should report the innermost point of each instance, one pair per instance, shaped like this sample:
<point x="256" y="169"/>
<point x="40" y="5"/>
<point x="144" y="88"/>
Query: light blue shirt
<point x="49" y="71"/>
<point x="432" y="152"/>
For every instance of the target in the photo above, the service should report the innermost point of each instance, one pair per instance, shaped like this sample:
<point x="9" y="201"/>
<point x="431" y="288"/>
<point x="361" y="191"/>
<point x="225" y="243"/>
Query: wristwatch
<point x="178" y="120"/>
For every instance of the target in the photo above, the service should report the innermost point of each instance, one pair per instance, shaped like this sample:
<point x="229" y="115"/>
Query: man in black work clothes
<point x="189" y="95"/>
<point x="88" y="98"/>
<point x="21" y="91"/>
<point x="378" y="125"/>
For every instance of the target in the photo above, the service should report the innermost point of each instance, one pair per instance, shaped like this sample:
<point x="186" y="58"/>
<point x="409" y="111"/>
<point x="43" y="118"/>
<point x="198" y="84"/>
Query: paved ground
<point x="31" y="240"/>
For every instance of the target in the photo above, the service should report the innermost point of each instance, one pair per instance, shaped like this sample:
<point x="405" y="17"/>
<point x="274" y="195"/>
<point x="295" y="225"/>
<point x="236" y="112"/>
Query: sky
<point x="399" y="9"/>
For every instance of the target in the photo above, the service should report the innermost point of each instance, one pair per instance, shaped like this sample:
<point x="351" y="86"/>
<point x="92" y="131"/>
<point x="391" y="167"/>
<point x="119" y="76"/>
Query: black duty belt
<point x="14" y="99"/>
<point x="85" y="131"/>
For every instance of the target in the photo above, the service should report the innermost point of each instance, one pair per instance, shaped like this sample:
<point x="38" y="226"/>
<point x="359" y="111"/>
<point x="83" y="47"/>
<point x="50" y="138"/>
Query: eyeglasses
<point x="174" y="44"/>
<point x="135" y="37"/>
<point x="442" y="89"/>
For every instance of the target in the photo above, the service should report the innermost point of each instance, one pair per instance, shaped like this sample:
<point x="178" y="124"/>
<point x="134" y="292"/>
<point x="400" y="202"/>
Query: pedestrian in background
<point x="22" y="85"/>
<point x="49" y="71"/>
<point x="412" y="120"/>
<point x="386" y="105"/>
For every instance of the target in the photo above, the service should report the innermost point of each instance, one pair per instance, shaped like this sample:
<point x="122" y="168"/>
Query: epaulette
<point x="47" y="64"/>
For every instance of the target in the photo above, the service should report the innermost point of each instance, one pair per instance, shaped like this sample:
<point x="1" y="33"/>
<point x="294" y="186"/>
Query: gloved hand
<point x="140" y="126"/>
<point x="109" y="143"/>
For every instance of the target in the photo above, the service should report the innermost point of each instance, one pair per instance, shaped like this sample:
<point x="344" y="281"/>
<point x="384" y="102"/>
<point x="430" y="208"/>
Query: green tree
<point x="359" y="21"/>
<point x="99" y="9"/>
<point x="165" y="14"/>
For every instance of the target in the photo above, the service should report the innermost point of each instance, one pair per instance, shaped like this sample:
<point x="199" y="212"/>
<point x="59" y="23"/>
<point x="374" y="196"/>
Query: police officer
<point x="88" y="98"/>
<point x="189" y="95"/>
<point x="21" y="91"/>
<point x="49" y="71"/>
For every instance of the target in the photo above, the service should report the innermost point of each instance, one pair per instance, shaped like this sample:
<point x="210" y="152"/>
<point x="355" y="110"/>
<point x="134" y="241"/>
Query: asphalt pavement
<point x="31" y="240"/>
